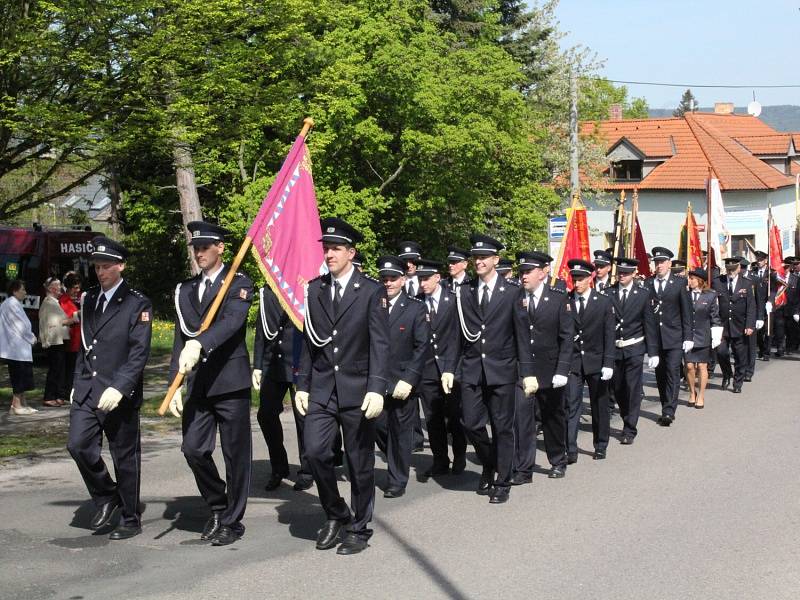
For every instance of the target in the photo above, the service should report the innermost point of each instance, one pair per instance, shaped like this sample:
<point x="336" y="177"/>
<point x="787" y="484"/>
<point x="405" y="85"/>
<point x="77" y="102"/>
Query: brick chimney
<point x="615" y="112"/>
<point x="723" y="108"/>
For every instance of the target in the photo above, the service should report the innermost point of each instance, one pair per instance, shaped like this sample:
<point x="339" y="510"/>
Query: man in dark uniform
<point x="678" y="268"/>
<point x="116" y="323"/>
<point x="602" y="266"/>
<point x="767" y="279"/>
<point x="408" y="347"/>
<point x="492" y="344"/>
<point x="592" y="359"/>
<point x="506" y="268"/>
<point x="670" y="305"/>
<point x="760" y="291"/>
<point x="545" y="313"/>
<point x="217" y="367"/>
<point x="439" y="390"/>
<point x="276" y="352"/>
<point x="737" y="310"/>
<point x="341" y="382"/>
<point x="637" y="334"/>
<point x="457" y="262"/>
<point x="792" y="307"/>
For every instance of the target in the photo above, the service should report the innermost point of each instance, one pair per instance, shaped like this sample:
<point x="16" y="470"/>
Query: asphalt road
<point x="705" y="509"/>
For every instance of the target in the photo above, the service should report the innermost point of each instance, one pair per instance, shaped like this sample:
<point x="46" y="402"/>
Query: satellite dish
<point x="754" y="108"/>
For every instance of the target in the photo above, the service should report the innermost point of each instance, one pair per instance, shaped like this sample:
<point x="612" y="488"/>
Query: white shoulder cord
<point x="86" y="348"/>
<point x="470" y="337"/>
<point x="309" y="327"/>
<point x="270" y="335"/>
<point x="184" y="329"/>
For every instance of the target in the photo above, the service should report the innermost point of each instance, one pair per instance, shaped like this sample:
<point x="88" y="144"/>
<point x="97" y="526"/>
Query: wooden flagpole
<point x="308" y="123"/>
<point x="634" y="218"/>
<point x="768" y="270"/>
<point x="576" y="202"/>
<point x="617" y="233"/>
<point x="708" y="229"/>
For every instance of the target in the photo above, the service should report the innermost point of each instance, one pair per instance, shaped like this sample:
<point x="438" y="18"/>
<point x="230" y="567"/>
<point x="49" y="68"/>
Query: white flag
<point x="720" y="236"/>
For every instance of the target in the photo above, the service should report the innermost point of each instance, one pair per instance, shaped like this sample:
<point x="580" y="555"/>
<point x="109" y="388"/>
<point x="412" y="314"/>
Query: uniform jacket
<point x="409" y="336"/>
<point x="671" y="310"/>
<point x="224" y="365"/>
<point x="737" y="312"/>
<point x="445" y="342"/>
<point x="355" y="358"/>
<point x="594" y="334"/>
<point x="273" y="350"/>
<point x="549" y="334"/>
<point x="448" y="283"/>
<point x="116" y="346"/>
<point x="496" y="340"/>
<point x="705" y="315"/>
<point x="636" y="319"/>
<point x="792" y="294"/>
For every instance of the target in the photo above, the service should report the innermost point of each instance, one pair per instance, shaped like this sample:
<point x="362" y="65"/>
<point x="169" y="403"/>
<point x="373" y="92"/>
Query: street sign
<point x="557" y="228"/>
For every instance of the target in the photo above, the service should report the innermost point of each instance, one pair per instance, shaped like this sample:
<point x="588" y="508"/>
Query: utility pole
<point x="574" y="177"/>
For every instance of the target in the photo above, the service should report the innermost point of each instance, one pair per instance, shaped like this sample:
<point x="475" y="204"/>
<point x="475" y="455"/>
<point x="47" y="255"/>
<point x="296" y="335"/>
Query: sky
<point x="732" y="42"/>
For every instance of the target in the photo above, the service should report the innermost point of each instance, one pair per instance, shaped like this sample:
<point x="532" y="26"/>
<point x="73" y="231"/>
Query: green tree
<point x="688" y="103"/>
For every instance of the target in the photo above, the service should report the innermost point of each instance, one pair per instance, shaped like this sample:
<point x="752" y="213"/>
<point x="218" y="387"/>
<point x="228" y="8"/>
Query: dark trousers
<point x="394" y="434"/>
<point x="321" y="428"/>
<point x="55" y="384"/>
<point x="554" y="428"/>
<point x="269" y="420"/>
<point x="778" y="323"/>
<point x="70" y="358"/>
<point x="792" y="329"/>
<point x="121" y="426"/>
<point x="201" y="418"/>
<point x="598" y="402"/>
<point x="752" y="350"/>
<point x="490" y="405"/>
<point x="628" y="391"/>
<point x="738" y="347"/>
<point x="443" y="416"/>
<point x="418" y="433"/>
<point x="668" y="379"/>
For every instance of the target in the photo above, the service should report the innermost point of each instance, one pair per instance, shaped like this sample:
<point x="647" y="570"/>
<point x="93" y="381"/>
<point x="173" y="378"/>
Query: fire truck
<point x="33" y="255"/>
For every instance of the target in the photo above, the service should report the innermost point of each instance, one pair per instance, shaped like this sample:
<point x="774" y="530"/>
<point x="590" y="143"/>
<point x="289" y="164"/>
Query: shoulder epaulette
<point x="370" y="277"/>
<point x="415" y="299"/>
<point x="555" y="289"/>
<point x="240" y="274"/>
<point x="512" y="282"/>
<point x="136" y="293"/>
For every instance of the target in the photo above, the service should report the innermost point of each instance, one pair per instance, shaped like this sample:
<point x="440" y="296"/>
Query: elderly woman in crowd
<point x="70" y="303"/>
<point x="706" y="335"/>
<point x="16" y="341"/>
<point x="53" y="332"/>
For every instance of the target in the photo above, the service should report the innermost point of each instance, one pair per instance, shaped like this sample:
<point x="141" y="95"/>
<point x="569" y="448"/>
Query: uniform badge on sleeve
<point x="145" y="316"/>
<point x="569" y="309"/>
<point x="243" y="294"/>
<point x="384" y="304"/>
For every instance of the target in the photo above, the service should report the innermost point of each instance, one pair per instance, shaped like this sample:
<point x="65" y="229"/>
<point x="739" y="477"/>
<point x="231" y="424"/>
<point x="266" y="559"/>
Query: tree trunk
<point x="187" y="192"/>
<point x="115" y="195"/>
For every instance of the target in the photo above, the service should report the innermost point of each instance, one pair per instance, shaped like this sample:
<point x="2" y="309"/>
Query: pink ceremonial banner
<point x="286" y="232"/>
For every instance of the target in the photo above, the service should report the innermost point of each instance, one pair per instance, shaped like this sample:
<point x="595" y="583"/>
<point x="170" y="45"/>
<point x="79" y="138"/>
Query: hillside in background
<point x="784" y="117"/>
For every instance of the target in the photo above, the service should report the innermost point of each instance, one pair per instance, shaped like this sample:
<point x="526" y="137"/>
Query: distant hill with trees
<point x="783" y="117"/>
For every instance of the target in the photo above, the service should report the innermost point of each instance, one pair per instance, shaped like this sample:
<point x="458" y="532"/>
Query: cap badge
<point x="407" y="249"/>
<point x="479" y="244"/>
<point x="330" y="229"/>
<point x="196" y="233"/>
<point x="387" y="265"/>
<point x="101" y="248"/>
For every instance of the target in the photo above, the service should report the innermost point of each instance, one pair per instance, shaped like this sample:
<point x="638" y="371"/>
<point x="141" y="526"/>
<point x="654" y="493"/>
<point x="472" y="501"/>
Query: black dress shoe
<point x="572" y="458"/>
<point x="521" y="478"/>
<point x="437" y="469"/>
<point x="275" y="481"/>
<point x="338" y="459"/>
<point x="665" y="420"/>
<point x="485" y="484"/>
<point x="123" y="532"/>
<point x="459" y="464"/>
<point x="766" y="358"/>
<point x="499" y="495"/>
<point x="302" y="484"/>
<point x="599" y="455"/>
<point x="748" y="378"/>
<point x="726" y="381"/>
<point x="626" y="440"/>
<point x="226" y="535"/>
<point x="394" y="492"/>
<point x="737" y="389"/>
<point x="104" y="514"/>
<point x="212" y="526"/>
<point x="557" y="472"/>
<point x="328" y="536"/>
<point x="352" y="544"/>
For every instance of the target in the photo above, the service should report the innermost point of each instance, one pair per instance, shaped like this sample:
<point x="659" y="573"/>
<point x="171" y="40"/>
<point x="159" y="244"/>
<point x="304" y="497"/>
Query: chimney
<point x="723" y="108"/>
<point x="615" y="112"/>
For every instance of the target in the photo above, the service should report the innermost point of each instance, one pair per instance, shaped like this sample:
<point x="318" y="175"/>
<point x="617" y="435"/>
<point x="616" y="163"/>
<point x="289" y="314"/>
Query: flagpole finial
<point x="308" y="123"/>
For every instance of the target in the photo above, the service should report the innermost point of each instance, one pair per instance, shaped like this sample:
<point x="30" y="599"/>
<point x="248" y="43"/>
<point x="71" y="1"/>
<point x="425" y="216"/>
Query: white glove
<point x="401" y="390"/>
<point x="687" y="346"/>
<point x="716" y="336"/>
<point x="768" y="306"/>
<point x="71" y="394"/>
<point x="176" y="404"/>
<point x="372" y="405"/>
<point x="652" y="362"/>
<point x="759" y="324"/>
<point x="189" y="357"/>
<point x="447" y="382"/>
<point x="559" y="381"/>
<point x="301" y="402"/>
<point x="530" y="385"/>
<point x="796" y="318"/>
<point x="606" y="373"/>
<point x="109" y="400"/>
<point x="256" y="379"/>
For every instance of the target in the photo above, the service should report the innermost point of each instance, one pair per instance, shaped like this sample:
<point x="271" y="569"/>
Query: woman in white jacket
<point x="53" y="332"/>
<point x="16" y="340"/>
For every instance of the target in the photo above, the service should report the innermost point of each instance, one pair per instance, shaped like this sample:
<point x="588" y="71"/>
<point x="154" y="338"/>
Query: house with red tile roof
<point x="669" y="160"/>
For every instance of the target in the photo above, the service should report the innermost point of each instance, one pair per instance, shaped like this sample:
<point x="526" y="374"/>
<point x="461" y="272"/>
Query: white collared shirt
<point x="586" y="295"/>
<point x="415" y="280"/>
<point x="732" y="281"/>
<point x="343" y="281"/>
<point x="109" y="294"/>
<point x="460" y="279"/>
<point x="436" y="295"/>
<point x="604" y="282"/>
<point x="536" y="295"/>
<point x="491" y="283"/>
<point x="208" y="280"/>
<point x="627" y="288"/>
<point x="392" y="302"/>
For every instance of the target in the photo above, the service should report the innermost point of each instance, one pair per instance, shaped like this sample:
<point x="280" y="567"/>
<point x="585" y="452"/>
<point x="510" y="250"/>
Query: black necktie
<point x="204" y="295"/>
<point x="432" y="308"/>
<point x="730" y="287"/>
<point x="696" y="296"/>
<point x="624" y="296"/>
<point x="411" y="288"/>
<point x="600" y="286"/>
<point x="660" y="287"/>
<point x="581" y="306"/>
<point x="101" y="303"/>
<point x="485" y="299"/>
<point x="337" y="296"/>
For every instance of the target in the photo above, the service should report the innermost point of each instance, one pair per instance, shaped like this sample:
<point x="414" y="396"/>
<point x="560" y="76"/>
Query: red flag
<point x="776" y="263"/>
<point x="689" y="246"/>
<point x="640" y="252"/>
<point x="575" y="243"/>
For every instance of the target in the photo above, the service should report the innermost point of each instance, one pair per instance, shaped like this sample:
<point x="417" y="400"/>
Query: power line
<point x="689" y="85"/>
